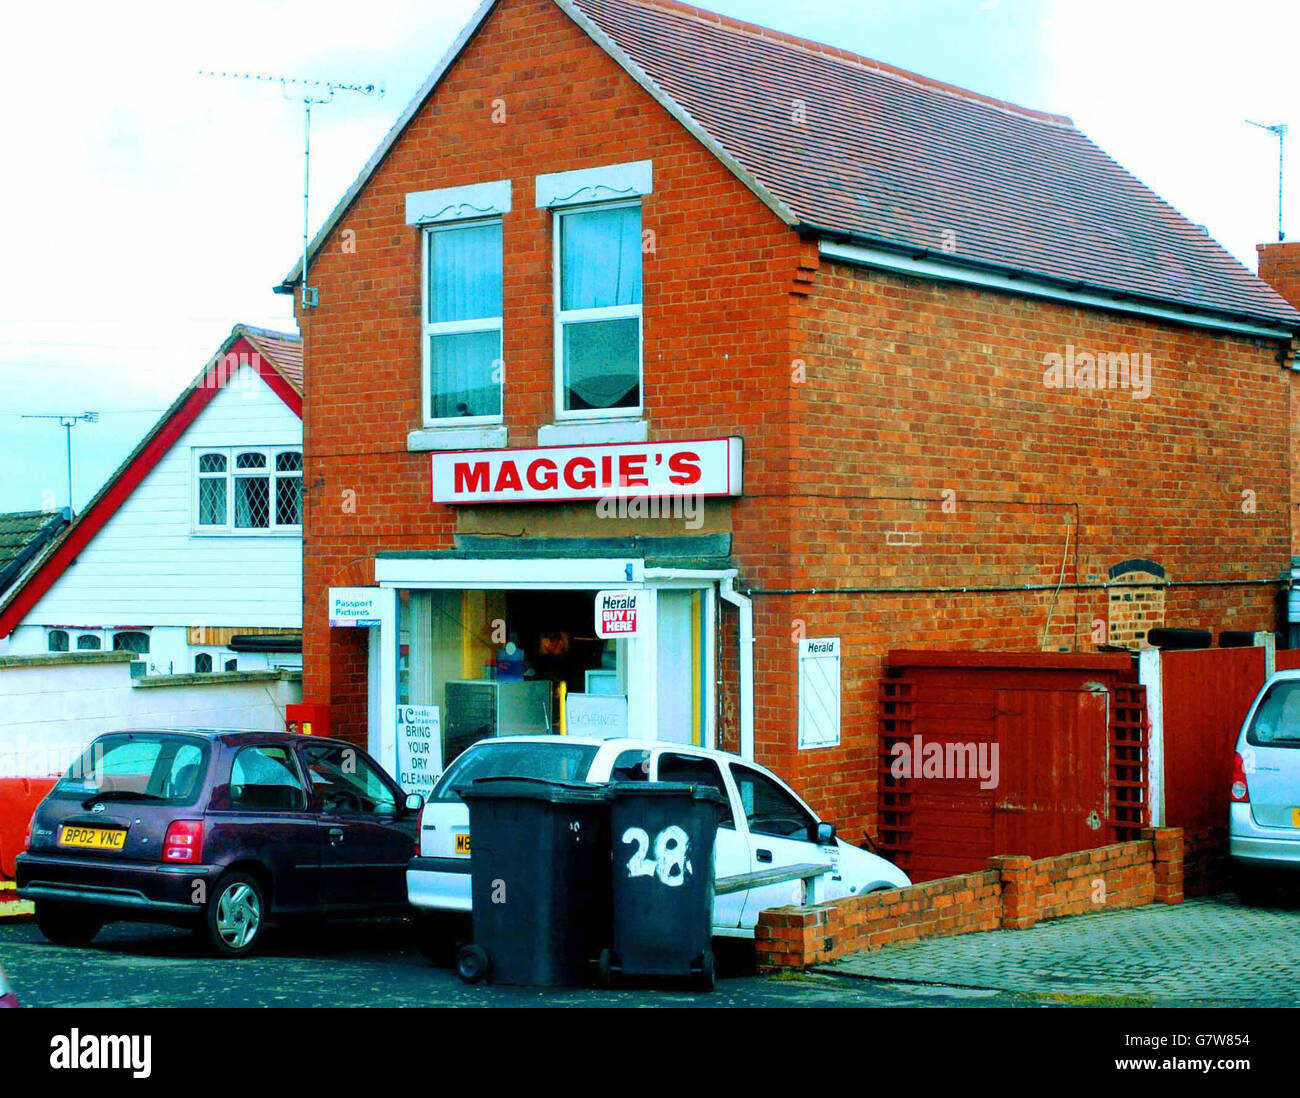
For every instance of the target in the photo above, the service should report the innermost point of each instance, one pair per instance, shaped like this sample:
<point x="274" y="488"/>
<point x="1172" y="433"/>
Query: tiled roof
<point x="22" y="533"/>
<point x="895" y="159"/>
<point x="281" y="349"/>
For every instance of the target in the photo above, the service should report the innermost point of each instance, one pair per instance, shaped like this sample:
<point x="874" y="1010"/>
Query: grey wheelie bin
<point x="662" y="836"/>
<point x="539" y="879"/>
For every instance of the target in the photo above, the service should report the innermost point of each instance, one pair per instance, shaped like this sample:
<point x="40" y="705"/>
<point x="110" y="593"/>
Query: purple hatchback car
<point x="222" y="831"/>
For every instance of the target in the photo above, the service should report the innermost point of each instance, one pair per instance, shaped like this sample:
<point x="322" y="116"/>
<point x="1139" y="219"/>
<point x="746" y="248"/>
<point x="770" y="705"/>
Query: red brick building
<point x="881" y="361"/>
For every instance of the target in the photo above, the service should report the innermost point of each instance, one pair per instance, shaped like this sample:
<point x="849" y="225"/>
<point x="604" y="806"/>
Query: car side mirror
<point x="414" y="802"/>
<point x="824" y="834"/>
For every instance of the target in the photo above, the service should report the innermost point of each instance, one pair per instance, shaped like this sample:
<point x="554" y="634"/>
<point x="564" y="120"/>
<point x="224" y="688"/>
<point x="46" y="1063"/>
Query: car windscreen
<point x="1277" y="720"/>
<point x="556" y="762"/>
<point x="138" y="766"/>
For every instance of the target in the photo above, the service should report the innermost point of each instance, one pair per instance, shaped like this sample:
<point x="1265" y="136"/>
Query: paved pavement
<point x="376" y="963"/>
<point x="1207" y="950"/>
<point x="1202" y="952"/>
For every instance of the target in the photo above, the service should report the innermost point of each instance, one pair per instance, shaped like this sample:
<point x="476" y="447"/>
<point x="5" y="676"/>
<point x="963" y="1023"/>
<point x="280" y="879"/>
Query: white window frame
<point x="564" y="317"/>
<point x="228" y="528"/>
<point x="456" y="327"/>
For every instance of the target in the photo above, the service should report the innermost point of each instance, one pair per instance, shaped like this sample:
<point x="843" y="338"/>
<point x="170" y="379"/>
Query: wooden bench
<point x="808" y="872"/>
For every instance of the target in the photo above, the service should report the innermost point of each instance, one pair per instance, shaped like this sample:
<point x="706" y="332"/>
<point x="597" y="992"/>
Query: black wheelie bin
<point x="539" y="879"/>
<point x="662" y="836"/>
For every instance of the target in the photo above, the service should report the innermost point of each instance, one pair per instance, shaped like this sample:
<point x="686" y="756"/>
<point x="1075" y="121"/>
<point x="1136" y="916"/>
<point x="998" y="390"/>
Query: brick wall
<point x="924" y="410"/>
<point x="1014" y="893"/>
<point x="1279" y="265"/>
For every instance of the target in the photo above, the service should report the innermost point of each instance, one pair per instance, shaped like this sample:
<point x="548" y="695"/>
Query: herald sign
<point x="616" y="613"/>
<point x="707" y="467"/>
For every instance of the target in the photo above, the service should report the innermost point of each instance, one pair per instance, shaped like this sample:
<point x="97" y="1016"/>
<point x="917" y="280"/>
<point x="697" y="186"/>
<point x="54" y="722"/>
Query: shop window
<point x="598" y="311"/>
<point x="131" y="641"/>
<point x="202" y="664"/>
<point x="57" y="641"/>
<point x="248" y="490"/>
<point x="89" y="642"/>
<point x="463" y="323"/>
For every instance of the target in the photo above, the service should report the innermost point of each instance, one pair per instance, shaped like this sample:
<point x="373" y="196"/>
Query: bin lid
<point x="666" y="789"/>
<point x="532" y="789"/>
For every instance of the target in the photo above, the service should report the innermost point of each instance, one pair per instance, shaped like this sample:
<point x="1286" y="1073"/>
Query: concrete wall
<point x="51" y="707"/>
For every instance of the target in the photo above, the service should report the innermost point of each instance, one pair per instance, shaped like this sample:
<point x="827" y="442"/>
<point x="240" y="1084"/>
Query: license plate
<point x="94" y="838"/>
<point x="1295" y="817"/>
<point x="462" y="843"/>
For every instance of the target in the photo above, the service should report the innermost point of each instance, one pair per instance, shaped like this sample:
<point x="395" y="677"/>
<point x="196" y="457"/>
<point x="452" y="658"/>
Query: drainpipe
<point x="746" y="643"/>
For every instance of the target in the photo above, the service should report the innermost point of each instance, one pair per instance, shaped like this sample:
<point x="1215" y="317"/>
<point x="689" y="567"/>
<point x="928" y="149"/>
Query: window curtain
<point x="601" y="268"/>
<point x="602" y="258"/>
<point x="465" y="283"/>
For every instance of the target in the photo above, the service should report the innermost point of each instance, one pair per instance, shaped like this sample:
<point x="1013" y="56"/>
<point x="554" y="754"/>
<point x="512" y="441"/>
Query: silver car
<point x="1264" y="816"/>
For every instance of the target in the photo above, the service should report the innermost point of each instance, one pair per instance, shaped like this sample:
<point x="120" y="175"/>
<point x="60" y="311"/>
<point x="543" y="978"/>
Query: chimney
<point x="1279" y="266"/>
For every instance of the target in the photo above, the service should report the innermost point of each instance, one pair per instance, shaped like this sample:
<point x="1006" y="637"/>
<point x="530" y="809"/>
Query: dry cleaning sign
<point x="419" y="748"/>
<point x="617" y="613"/>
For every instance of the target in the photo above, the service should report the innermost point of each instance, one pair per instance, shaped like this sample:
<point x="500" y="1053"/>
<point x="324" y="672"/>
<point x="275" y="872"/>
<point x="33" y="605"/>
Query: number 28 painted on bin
<point x="669" y="863"/>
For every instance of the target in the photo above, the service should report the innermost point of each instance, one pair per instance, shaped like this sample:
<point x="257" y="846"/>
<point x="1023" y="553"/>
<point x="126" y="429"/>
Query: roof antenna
<point x="67" y="421"/>
<point x="1278" y="131"/>
<point x="310" y="93"/>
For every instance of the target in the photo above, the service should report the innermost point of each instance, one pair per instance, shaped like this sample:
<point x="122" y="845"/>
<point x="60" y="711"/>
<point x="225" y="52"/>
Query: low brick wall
<point x="1015" y="892"/>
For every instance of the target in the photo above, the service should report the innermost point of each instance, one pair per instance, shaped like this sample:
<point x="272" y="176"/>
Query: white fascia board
<point x="864" y="256"/>
<point x="458" y="203"/>
<point x="390" y="138"/>
<point x="488" y="573"/>
<point x="603" y="184"/>
<point x="678" y="112"/>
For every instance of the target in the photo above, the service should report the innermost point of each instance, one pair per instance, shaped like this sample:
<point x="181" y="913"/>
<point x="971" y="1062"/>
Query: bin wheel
<point x="471" y="963"/>
<point x="605" y="969"/>
<point x="704" y="979"/>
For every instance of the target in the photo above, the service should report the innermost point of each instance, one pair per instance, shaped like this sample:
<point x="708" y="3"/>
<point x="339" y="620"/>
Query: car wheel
<point x="67" y="924"/>
<point x="1254" y="889"/>
<point x="472" y="963"/>
<point x="235" y="916"/>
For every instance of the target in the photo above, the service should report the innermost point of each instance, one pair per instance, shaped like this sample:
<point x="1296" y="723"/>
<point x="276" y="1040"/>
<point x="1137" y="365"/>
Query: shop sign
<point x="419" y="748"/>
<point x="617" y="613"/>
<point x="600" y="716"/>
<point x="708" y="467"/>
<point x="354" y="607"/>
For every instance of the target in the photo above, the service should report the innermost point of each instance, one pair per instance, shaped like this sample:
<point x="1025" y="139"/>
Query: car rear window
<point x="138" y="766"/>
<point x="557" y="762"/>
<point x="1277" y="720"/>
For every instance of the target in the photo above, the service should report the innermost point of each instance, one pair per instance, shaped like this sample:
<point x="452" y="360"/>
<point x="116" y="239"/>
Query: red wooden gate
<point x="1070" y="739"/>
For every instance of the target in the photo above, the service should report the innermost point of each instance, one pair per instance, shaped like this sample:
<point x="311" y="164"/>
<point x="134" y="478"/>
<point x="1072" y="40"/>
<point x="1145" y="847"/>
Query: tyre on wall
<point x="235" y="916"/>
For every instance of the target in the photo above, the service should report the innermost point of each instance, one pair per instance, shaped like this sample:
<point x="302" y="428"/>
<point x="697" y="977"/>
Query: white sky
<point x="147" y="209"/>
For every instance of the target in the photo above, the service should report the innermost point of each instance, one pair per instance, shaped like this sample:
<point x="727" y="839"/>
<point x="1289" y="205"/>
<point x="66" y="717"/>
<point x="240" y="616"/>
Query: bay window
<point x="462" y="323"/>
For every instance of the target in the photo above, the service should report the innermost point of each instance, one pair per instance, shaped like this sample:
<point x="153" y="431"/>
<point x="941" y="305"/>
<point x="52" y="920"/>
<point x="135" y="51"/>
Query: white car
<point x="765" y="826"/>
<point x="1264" y="813"/>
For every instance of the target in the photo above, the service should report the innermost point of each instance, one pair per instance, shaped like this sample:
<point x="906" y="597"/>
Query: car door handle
<point x="763" y="855"/>
<point x="336" y="834"/>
